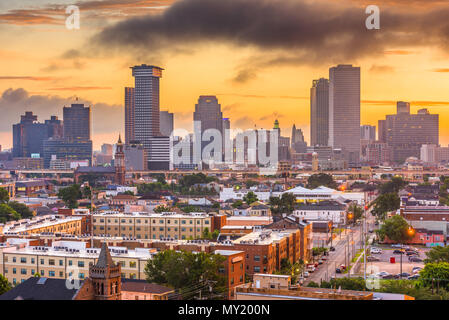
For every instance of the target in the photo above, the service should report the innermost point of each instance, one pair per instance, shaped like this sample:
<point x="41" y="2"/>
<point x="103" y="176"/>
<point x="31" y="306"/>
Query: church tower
<point x="106" y="276"/>
<point x="119" y="163"/>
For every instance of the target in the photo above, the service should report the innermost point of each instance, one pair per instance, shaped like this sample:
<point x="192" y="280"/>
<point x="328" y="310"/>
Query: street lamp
<point x="410" y="233"/>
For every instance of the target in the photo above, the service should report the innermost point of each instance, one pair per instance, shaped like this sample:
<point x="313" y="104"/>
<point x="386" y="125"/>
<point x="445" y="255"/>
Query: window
<point x="14" y="271"/>
<point x="206" y="222"/>
<point x="183" y="221"/>
<point x="23" y="260"/>
<point x="42" y="273"/>
<point x="61" y="262"/>
<point x="70" y="262"/>
<point x="81" y="276"/>
<point x="256" y="258"/>
<point x="14" y="259"/>
<point x="51" y="273"/>
<point x="81" y="264"/>
<point x="23" y="271"/>
<point x="256" y="269"/>
<point x="51" y="262"/>
<point x="33" y="272"/>
<point x="61" y="274"/>
<point x="42" y="261"/>
<point x="132" y="264"/>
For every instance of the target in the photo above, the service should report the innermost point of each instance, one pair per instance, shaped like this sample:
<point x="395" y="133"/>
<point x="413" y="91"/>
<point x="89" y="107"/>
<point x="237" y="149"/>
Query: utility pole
<point x="364" y="237"/>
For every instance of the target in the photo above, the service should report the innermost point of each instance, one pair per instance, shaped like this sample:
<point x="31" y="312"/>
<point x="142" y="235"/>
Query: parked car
<point x="398" y="252"/>
<point x="320" y="261"/>
<point x="414" y="259"/>
<point x="412" y="253"/>
<point x="372" y="258"/>
<point x="370" y="231"/>
<point x="416" y="269"/>
<point x="331" y="249"/>
<point x="324" y="258"/>
<point x="343" y="267"/>
<point x="396" y="245"/>
<point x="413" y="277"/>
<point x="403" y="274"/>
<point x="388" y="276"/>
<point x="338" y="270"/>
<point x="382" y="274"/>
<point x="375" y="251"/>
<point x="306" y="274"/>
<point x="376" y="223"/>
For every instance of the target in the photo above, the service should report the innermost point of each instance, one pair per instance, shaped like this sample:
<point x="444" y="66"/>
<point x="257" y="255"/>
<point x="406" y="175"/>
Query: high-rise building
<point x="406" y="132"/>
<point x="167" y="123"/>
<point x="135" y="159"/>
<point x="67" y="150"/>
<point x="77" y="122"/>
<point x="368" y="132"/>
<point x="403" y="107"/>
<point x="129" y="114"/>
<point x="29" y="135"/>
<point x="319" y="112"/>
<point x="107" y="148"/>
<point x="209" y="116"/>
<point x="146" y="103"/>
<point x="298" y="144"/>
<point x="344" y="110"/>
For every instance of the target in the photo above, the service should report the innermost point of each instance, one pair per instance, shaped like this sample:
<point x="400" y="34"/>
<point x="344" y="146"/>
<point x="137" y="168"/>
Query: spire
<point x="276" y="124"/>
<point x="119" y="139"/>
<point x="105" y="258"/>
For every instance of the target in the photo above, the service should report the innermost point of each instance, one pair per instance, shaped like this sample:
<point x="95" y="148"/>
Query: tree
<point x="437" y="254"/>
<point x="251" y="183"/>
<point x="293" y="270"/>
<point x="435" y="275"/>
<point x="345" y="284"/>
<point x="284" y="204"/>
<point x="321" y="179"/>
<point x="161" y="208"/>
<point x="386" y="203"/>
<point x="250" y="197"/>
<point x="5" y="286"/>
<point x="356" y="211"/>
<point x="396" y="229"/>
<point x="4" y="195"/>
<point x="21" y="209"/>
<point x="86" y="192"/>
<point x="186" y="270"/>
<point x="7" y="213"/>
<point x="70" y="195"/>
<point x="392" y="186"/>
<point x="237" y="204"/>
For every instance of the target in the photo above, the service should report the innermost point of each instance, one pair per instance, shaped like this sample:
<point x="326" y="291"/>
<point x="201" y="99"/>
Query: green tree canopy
<point x="250" y="197"/>
<point x="7" y="213"/>
<point x="321" y="179"/>
<point x="437" y="254"/>
<point x="357" y="212"/>
<point x="386" y="203"/>
<point x="21" y="209"/>
<point x="162" y="208"/>
<point x="4" y="284"/>
<point x="435" y="275"/>
<point x="70" y="195"/>
<point x="396" y="229"/>
<point x="392" y="186"/>
<point x="4" y="195"/>
<point x="186" y="270"/>
<point x="284" y="204"/>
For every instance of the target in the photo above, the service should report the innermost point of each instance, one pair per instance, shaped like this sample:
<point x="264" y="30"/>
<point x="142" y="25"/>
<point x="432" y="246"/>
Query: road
<point x="345" y="249"/>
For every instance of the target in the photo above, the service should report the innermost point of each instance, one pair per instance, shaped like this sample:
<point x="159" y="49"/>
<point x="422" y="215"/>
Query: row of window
<point x="154" y="221"/>
<point x="154" y="229"/>
<point x="51" y="262"/>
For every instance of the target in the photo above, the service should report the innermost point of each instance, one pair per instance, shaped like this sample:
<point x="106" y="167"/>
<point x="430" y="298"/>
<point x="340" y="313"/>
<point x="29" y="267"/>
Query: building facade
<point x="319" y="112"/>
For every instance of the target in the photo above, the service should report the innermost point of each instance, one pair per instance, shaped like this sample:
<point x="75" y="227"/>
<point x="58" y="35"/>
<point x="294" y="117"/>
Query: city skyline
<point x="59" y="70"/>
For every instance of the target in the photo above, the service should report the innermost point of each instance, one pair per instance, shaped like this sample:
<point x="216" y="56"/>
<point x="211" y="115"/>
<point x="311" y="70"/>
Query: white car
<point x="375" y="251"/>
<point x="306" y="274"/>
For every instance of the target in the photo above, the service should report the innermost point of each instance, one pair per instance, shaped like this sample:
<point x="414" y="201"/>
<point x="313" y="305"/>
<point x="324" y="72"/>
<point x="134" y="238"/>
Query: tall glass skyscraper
<point x="77" y="121"/>
<point x="319" y="112"/>
<point x="344" y="110"/>
<point x="129" y="115"/>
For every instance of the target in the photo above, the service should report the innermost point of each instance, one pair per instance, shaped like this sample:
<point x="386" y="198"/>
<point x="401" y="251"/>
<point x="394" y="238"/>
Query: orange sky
<point x="32" y="58"/>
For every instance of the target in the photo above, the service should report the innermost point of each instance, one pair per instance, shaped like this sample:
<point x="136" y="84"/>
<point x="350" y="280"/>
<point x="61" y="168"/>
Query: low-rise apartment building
<point x="43" y="224"/>
<point x="142" y="225"/>
<point x="67" y="259"/>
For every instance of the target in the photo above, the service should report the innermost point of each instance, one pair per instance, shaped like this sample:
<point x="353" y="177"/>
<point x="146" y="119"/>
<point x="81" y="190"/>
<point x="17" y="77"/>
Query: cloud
<point x="273" y="116"/>
<point x="79" y="88"/>
<point x="282" y="32"/>
<point x="441" y="70"/>
<point x="242" y="123"/>
<point x="30" y="78"/>
<point x="381" y="68"/>
<point x="421" y="103"/>
<point x="14" y="102"/>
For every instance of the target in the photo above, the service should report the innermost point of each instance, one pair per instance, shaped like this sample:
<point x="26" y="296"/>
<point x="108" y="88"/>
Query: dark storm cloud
<point x="315" y="30"/>
<point x="14" y="102"/>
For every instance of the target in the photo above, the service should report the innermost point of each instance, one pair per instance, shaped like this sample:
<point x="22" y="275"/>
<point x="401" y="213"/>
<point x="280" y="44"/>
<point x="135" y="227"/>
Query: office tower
<point x="146" y="103"/>
<point x="167" y="123"/>
<point x="319" y="112"/>
<point x="29" y="135"/>
<point x="55" y="127"/>
<point x="107" y="149"/>
<point x="209" y="116"/>
<point x="298" y="144"/>
<point x="378" y="153"/>
<point x="381" y="131"/>
<point x="368" y="132"/>
<point x="159" y="153"/>
<point x="135" y="159"/>
<point x="406" y="132"/>
<point x="129" y="114"/>
<point x="403" y="107"/>
<point x="67" y="150"/>
<point x="344" y="110"/>
<point x="77" y="121"/>
<point x="283" y="144"/>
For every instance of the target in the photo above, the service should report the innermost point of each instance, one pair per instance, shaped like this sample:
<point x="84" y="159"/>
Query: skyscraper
<point x="319" y="112"/>
<point x="297" y="141"/>
<point x="167" y="123"/>
<point x="406" y="132"/>
<point x="209" y="116"/>
<point x="146" y="103"/>
<point x="368" y="132"/>
<point x="344" y="110"/>
<point x="129" y="114"/>
<point x="77" y="121"/>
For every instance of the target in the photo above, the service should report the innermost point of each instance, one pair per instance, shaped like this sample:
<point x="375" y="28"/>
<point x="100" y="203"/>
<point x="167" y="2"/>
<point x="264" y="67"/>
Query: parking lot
<point x="394" y="268"/>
